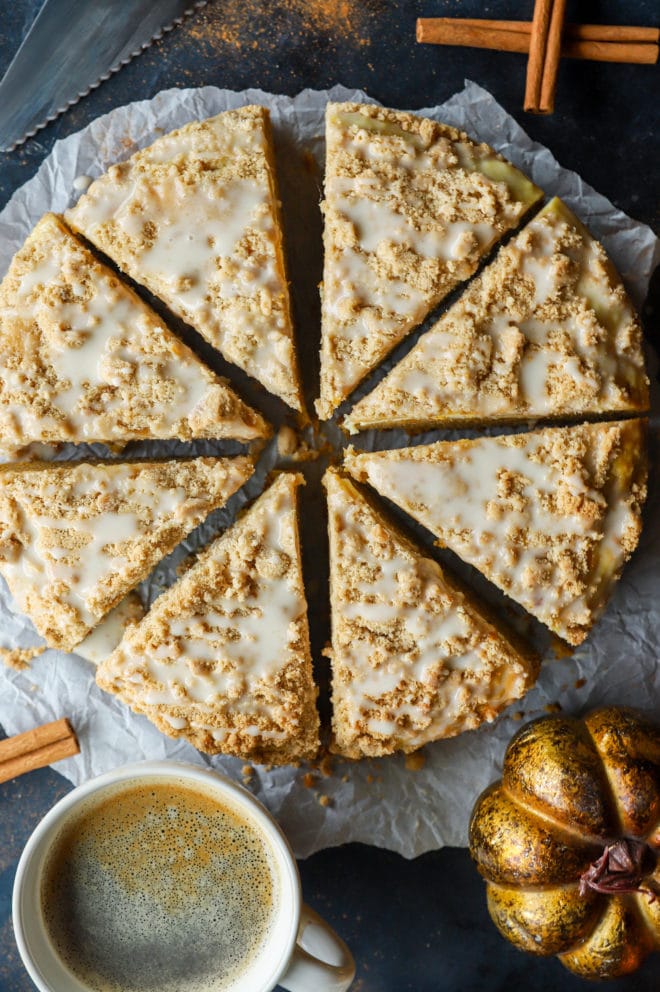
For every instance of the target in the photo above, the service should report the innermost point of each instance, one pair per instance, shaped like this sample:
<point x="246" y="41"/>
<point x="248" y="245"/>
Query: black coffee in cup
<point x="157" y="885"/>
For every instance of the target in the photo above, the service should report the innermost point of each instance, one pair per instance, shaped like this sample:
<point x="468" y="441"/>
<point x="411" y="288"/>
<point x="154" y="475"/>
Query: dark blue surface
<point x="420" y="926"/>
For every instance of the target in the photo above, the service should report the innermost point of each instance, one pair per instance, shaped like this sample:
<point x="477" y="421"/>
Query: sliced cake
<point x="549" y="516"/>
<point x="195" y="218"/>
<point x="413" y="657"/>
<point x="546" y="330"/>
<point x="76" y="537"/>
<point x="223" y="659"/>
<point x="82" y="358"/>
<point x="411" y="206"/>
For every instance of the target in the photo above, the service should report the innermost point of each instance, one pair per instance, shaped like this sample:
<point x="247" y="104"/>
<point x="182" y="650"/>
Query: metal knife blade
<point x="72" y="47"/>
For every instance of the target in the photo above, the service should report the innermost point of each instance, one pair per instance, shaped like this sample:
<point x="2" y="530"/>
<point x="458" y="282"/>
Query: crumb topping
<point x="76" y="537"/>
<point x="82" y="358"/>
<point x="546" y="330"/>
<point x="410" y="208"/>
<point x="412" y="659"/>
<point x="194" y="217"/>
<point x="549" y="516"/>
<point x="223" y="657"/>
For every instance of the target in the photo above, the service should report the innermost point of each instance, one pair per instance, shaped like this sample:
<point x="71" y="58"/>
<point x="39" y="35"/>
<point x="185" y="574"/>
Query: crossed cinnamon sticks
<point x="36" y="749"/>
<point x="546" y="39"/>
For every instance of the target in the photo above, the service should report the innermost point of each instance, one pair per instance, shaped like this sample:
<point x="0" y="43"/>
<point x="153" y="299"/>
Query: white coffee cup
<point x="302" y="953"/>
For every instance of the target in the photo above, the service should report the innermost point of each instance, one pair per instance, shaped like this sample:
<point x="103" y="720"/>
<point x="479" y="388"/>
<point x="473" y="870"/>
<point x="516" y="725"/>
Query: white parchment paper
<point x="378" y="802"/>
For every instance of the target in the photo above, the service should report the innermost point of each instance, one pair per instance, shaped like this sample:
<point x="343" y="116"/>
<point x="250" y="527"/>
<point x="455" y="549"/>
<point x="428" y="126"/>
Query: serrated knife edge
<point x="194" y="7"/>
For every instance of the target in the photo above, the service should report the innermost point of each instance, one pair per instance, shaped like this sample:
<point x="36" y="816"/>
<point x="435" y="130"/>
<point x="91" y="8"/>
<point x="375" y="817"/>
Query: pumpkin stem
<point x="620" y="868"/>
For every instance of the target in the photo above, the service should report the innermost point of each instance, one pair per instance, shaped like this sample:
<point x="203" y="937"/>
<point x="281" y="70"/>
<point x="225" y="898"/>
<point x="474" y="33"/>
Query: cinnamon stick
<point x="546" y="104"/>
<point x="538" y="43"/>
<point x="441" y="31"/>
<point x="37" y="748"/>
<point x="590" y="42"/>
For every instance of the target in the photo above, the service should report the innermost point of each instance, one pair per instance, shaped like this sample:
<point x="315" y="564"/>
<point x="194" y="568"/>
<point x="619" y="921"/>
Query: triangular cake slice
<point x="223" y="657"/>
<point x="413" y="657"/>
<point x="76" y="537"/>
<point x="83" y="359"/>
<point x="545" y="331"/>
<point x="195" y="218"/>
<point x="411" y="206"/>
<point x="549" y="516"/>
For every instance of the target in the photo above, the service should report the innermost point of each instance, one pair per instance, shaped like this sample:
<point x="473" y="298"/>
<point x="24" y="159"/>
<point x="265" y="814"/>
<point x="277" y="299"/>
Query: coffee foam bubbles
<point x="159" y="886"/>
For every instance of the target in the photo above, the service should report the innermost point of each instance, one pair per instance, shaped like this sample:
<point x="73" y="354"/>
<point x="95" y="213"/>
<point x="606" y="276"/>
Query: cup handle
<point x="321" y="961"/>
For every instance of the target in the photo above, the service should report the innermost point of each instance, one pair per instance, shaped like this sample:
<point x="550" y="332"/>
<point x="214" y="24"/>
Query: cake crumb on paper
<point x="415" y="762"/>
<point x="325" y="766"/>
<point x="19" y="658"/>
<point x="560" y="648"/>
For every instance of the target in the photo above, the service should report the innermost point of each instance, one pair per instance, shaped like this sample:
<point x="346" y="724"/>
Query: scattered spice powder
<point x="324" y="801"/>
<point x="579" y="683"/>
<point x="250" y="24"/>
<point x="309" y="780"/>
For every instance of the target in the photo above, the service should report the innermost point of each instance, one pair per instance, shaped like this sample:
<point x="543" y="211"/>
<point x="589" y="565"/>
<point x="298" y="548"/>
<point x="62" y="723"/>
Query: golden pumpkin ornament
<point x="569" y="841"/>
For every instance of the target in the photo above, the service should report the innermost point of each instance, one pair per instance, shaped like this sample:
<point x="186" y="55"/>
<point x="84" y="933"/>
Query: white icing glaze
<point x="463" y="496"/>
<point x="408" y="598"/>
<point x="82" y="183"/>
<point x="236" y="298"/>
<point x="374" y="218"/>
<point x="92" y="344"/>
<point x="78" y="555"/>
<point x="105" y="541"/>
<point x="222" y="658"/>
<point x="104" y="638"/>
<point x="476" y="363"/>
